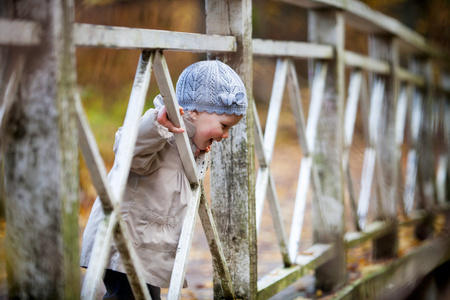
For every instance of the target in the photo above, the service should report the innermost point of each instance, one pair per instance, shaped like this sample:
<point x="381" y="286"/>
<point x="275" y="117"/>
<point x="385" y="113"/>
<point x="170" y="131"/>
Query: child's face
<point x="212" y="127"/>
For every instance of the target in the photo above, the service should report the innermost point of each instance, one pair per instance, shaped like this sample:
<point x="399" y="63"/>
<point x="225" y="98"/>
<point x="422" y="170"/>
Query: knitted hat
<point x="211" y="86"/>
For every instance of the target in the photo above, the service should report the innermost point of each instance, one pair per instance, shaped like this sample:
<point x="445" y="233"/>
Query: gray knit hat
<point x="211" y="86"/>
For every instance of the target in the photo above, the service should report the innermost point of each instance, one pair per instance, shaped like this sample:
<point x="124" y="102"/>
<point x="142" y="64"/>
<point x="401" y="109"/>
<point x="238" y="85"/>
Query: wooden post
<point x="386" y="48"/>
<point x="232" y="163"/>
<point x="426" y="170"/>
<point x="41" y="162"/>
<point x="328" y="27"/>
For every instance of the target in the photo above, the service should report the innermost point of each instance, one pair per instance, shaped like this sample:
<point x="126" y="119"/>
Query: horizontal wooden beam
<point x="372" y="231"/>
<point x="356" y="60"/>
<point x="19" y="33"/>
<point x="405" y="75"/>
<point x="281" y="278"/>
<point x="397" y="279"/>
<point x="363" y="18"/>
<point x="87" y="35"/>
<point x="291" y="49"/>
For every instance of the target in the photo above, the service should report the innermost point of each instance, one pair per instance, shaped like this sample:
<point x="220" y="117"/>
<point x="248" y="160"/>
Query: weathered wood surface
<point x="397" y="279"/>
<point x="291" y="49"/>
<point x="19" y="32"/>
<point x="232" y="169"/>
<point x="112" y="223"/>
<point x="87" y="35"/>
<point x="215" y="246"/>
<point x="266" y="181"/>
<point x="328" y="27"/>
<point x="282" y="277"/>
<point x="41" y="157"/>
<point x="308" y="173"/>
<point x="361" y="16"/>
<point x="170" y="100"/>
<point x="370" y="64"/>
<point x="387" y="179"/>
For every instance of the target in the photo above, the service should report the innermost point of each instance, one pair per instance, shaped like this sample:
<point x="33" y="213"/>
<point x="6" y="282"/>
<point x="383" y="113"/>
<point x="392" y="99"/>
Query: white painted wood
<point x="259" y="139"/>
<point x="306" y="166"/>
<point x="318" y="87"/>
<point x="20" y="32"/>
<point x="93" y="159"/>
<point x="299" y="207"/>
<point x="117" y="181"/>
<point x="291" y="49"/>
<point x="354" y="91"/>
<point x="87" y="35"/>
<point x="262" y="180"/>
<point x="297" y="109"/>
<point x="370" y="152"/>
<point x="402" y="108"/>
<point x="184" y="245"/>
<point x="10" y="87"/>
<point x="273" y="116"/>
<point x="170" y="100"/>
<point x="100" y="251"/>
<point x="278" y="223"/>
<point x="367" y="63"/>
<point x="412" y="158"/>
<point x="441" y="178"/>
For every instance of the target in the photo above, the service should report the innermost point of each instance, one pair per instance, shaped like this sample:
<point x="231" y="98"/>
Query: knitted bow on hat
<point x="229" y="98"/>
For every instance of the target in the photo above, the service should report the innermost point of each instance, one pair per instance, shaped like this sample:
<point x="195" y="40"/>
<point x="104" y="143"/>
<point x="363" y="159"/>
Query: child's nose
<point x="225" y="135"/>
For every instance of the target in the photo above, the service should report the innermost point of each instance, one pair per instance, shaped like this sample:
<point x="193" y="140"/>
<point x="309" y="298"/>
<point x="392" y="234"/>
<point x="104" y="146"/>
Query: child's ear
<point x="194" y="114"/>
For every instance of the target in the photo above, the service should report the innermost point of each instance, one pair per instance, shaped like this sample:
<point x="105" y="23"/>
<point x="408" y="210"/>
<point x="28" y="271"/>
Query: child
<point x="157" y="192"/>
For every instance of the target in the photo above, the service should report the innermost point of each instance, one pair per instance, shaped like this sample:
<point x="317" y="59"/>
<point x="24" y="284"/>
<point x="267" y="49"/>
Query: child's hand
<point x="164" y="120"/>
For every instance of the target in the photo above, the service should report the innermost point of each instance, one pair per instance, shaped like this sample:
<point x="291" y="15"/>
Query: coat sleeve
<point x="151" y="138"/>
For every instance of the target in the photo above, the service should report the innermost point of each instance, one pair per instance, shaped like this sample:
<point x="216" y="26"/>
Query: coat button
<point x="160" y="220"/>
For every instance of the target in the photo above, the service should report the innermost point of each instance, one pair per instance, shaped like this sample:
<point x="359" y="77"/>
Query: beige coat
<point x="154" y="204"/>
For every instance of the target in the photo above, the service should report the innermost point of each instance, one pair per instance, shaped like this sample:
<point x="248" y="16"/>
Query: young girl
<point x="157" y="192"/>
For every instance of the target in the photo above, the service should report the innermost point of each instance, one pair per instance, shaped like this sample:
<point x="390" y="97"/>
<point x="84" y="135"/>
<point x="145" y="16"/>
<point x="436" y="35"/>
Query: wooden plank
<point x="273" y="116"/>
<point x="371" y="231"/>
<point x="9" y="88"/>
<point x="185" y="242"/>
<point x="410" y="77"/>
<point x="412" y="157"/>
<point x="281" y="278"/>
<point x="170" y="100"/>
<point x="354" y="92"/>
<point x="215" y="247"/>
<point x="396" y="280"/>
<point x="367" y="63"/>
<point x="278" y="223"/>
<point x="328" y="27"/>
<point x="306" y="166"/>
<point x="87" y="35"/>
<point x="318" y="88"/>
<point x="233" y="161"/>
<point x="291" y="49"/>
<point x="20" y="32"/>
<point x="117" y="181"/>
<point x="297" y="109"/>
<point x="362" y="17"/>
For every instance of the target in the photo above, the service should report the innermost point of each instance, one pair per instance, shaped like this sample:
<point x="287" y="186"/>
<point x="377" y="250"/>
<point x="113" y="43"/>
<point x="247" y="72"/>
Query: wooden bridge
<point x="399" y="87"/>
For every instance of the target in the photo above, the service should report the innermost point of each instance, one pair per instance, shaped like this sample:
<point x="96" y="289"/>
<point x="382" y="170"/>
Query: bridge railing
<point x="392" y="99"/>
